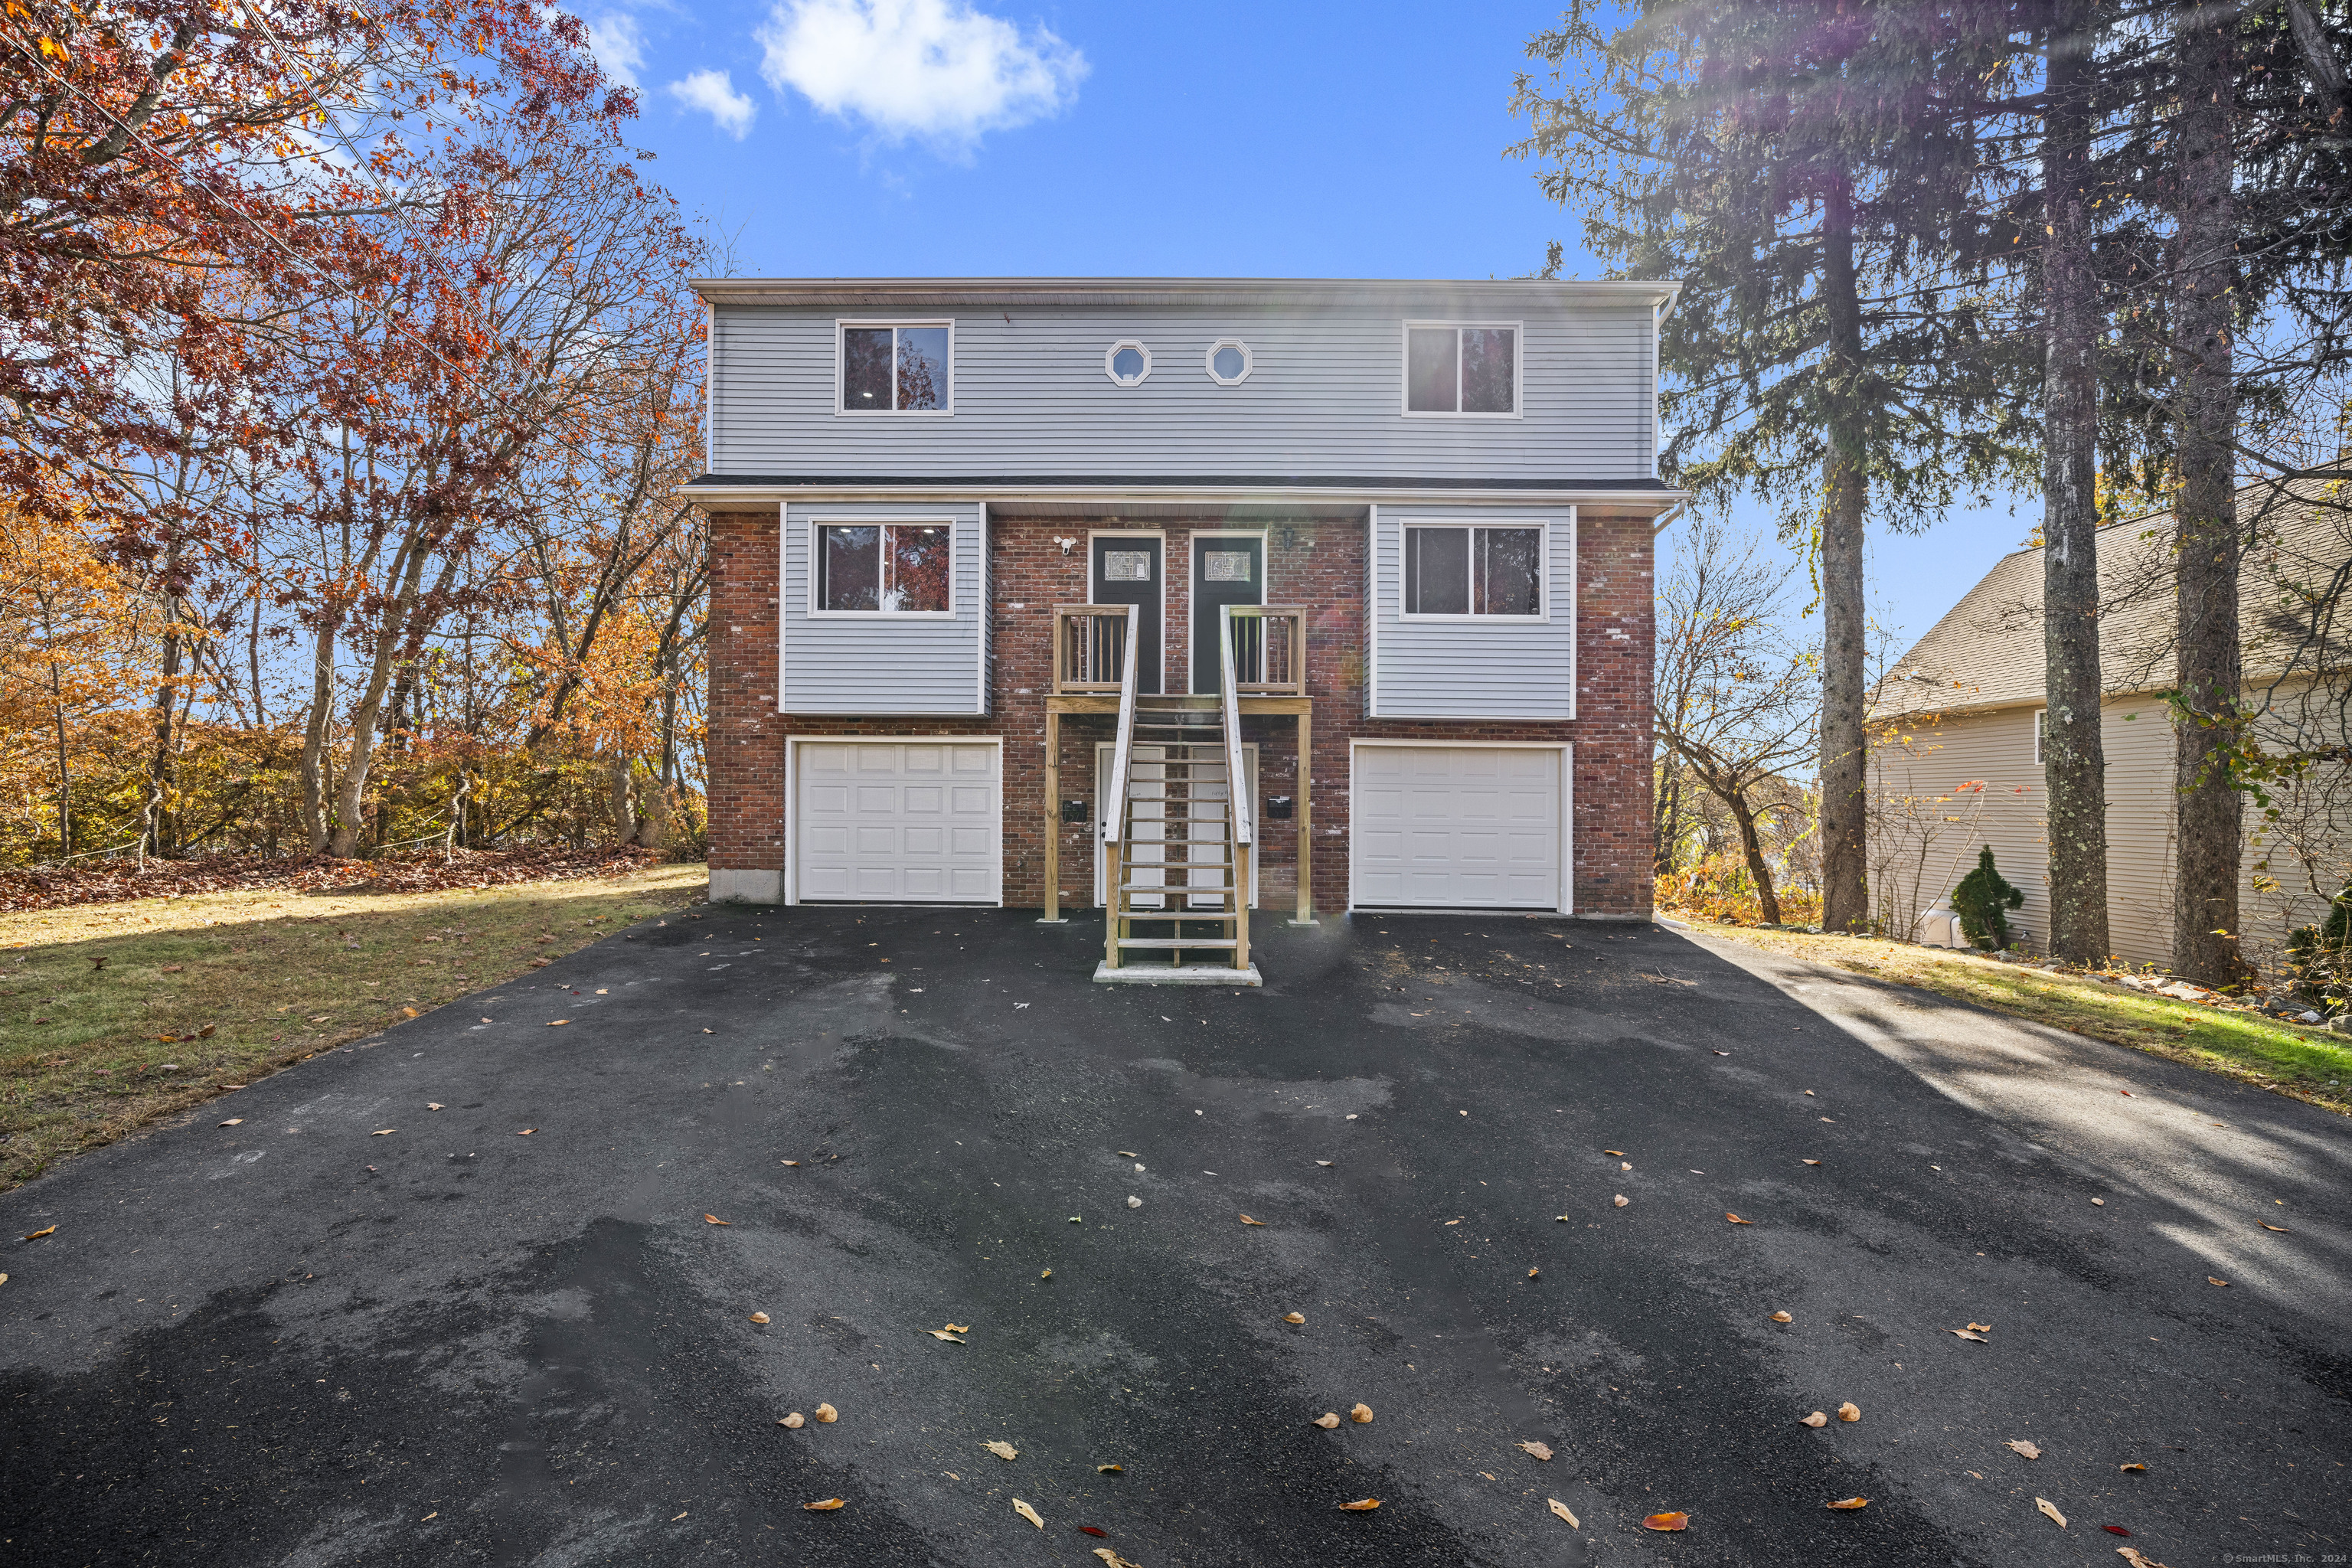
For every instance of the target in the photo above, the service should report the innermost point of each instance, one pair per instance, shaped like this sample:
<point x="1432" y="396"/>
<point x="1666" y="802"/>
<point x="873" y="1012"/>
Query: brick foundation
<point x="1317" y="563"/>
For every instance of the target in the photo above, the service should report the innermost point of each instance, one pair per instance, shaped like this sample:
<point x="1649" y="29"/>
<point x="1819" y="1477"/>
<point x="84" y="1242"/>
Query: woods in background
<point x="351" y="366"/>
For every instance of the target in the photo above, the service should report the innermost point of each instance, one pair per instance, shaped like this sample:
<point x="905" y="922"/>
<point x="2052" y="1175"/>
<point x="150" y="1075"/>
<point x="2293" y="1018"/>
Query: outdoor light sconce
<point x="1073" y="811"/>
<point x="1279" y="808"/>
<point x="1064" y="544"/>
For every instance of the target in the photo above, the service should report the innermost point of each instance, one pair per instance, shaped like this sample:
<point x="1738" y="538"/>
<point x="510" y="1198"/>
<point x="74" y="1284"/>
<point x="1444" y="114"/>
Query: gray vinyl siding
<point x="884" y="664"/>
<point x="1325" y="397"/>
<point x="1472" y="669"/>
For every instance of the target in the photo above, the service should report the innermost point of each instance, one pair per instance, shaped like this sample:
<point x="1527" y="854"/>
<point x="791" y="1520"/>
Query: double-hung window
<point x="884" y="568"/>
<point x="1475" y="571"/>
<point x="1462" y="367"/>
<point x="897" y="368"/>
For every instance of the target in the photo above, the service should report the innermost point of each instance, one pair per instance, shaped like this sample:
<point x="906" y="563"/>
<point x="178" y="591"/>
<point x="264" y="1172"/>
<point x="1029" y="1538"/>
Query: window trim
<point x="1110" y="353"/>
<point x="1209" y="361"/>
<point x="841" y="410"/>
<point x="1542" y="526"/>
<point x="1519" y="330"/>
<point x="815" y="607"/>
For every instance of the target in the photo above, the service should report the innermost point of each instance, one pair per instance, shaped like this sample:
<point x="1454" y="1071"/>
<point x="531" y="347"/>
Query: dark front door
<point x="1228" y="569"/>
<point x="1125" y="570"/>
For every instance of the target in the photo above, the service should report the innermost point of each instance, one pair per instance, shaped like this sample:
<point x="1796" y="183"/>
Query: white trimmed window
<point x="1475" y="571"/>
<point x="2041" y="732"/>
<point x="1126" y="361"/>
<point x="1229" y="362"/>
<point x="898" y="367"/>
<point x="883" y="569"/>
<point x="1462" y="368"/>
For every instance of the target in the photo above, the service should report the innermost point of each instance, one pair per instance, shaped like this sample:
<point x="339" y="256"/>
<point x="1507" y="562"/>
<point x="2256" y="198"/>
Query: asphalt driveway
<point x="353" y="1328"/>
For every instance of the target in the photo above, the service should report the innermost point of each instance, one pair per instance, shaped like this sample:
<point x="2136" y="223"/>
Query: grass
<point x="205" y="991"/>
<point x="2305" y="1064"/>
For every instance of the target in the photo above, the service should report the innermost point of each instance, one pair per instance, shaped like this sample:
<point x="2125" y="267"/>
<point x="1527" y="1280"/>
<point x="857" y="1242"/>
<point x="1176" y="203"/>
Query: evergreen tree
<point x="1802" y="170"/>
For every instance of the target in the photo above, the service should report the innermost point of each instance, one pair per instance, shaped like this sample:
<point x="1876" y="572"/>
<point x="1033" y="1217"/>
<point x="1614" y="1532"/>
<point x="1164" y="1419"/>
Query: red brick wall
<point x="1316" y="563"/>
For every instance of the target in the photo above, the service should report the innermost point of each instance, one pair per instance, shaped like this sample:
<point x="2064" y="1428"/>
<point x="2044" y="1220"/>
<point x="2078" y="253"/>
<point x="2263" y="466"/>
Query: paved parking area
<point x="352" y="1328"/>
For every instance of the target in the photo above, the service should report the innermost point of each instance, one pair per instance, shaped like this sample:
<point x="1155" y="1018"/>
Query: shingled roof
<point x="1987" y="651"/>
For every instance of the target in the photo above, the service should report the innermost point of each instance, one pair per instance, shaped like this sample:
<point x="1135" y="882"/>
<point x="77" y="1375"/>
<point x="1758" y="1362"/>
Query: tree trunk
<point x="1845" y="850"/>
<point x="409" y="567"/>
<point x="160" y="769"/>
<point x="2074" y="758"/>
<point x="1667" y="829"/>
<point x="2207" y="817"/>
<point x="65" y="772"/>
<point x="620" y="777"/>
<point x="318" y="727"/>
<point x="1751" y="845"/>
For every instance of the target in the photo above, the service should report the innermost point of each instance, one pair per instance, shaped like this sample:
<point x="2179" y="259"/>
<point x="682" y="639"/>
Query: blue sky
<point x="879" y="137"/>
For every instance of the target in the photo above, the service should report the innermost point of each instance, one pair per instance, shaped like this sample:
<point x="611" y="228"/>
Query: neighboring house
<point x="1964" y="709"/>
<point x="944" y="511"/>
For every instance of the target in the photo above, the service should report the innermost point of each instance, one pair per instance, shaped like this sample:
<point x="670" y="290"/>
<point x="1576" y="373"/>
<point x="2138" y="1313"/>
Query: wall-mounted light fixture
<point x="1066" y="544"/>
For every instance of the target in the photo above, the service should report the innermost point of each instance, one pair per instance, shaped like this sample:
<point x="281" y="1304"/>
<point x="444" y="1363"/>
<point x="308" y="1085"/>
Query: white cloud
<point x="932" y="68"/>
<point x="619" y="46"/>
<point x="714" y="95"/>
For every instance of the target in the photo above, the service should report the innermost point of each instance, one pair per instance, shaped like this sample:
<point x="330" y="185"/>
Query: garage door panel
<point x="897" y="821"/>
<point x="1457" y="826"/>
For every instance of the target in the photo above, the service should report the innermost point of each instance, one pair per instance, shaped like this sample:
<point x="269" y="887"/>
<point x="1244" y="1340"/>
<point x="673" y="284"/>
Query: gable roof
<point x="1987" y="651"/>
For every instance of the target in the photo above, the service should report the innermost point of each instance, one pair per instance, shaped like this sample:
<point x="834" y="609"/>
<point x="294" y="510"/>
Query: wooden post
<point x="1053" y="818"/>
<point x="1241" y="872"/>
<point x="1306" y="809"/>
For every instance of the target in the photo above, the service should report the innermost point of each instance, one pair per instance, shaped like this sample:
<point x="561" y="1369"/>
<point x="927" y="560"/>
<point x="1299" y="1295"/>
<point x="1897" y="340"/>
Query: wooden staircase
<point x="1179" y="834"/>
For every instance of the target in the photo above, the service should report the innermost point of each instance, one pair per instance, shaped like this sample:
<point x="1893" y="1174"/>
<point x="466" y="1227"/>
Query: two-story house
<point x="1012" y="577"/>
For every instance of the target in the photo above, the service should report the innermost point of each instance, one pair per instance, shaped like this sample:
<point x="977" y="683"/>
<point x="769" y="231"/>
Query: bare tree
<point x="1738" y="699"/>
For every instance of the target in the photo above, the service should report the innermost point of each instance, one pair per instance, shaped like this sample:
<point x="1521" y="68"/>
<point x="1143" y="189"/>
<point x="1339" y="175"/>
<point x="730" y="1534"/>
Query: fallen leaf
<point x="2135" y="1466"/>
<point x="795" y="1421"/>
<point x="1110" y="1469"/>
<point x="827" y="1414"/>
<point x="827" y="1505"/>
<point x="1534" y="1273"/>
<point x="1622" y="1200"/>
<point x="1540" y="1450"/>
<point x="1361" y="1414"/>
<point x="234" y="1121"/>
<point x="409" y="1011"/>
<point x="2126" y="1094"/>
<point x="792" y="1162"/>
<point x="1851" y="1502"/>
<point x="383" y="1132"/>
<point x="2046" y="1506"/>
<point x="1667" y="1521"/>
<point x="1090" y="1530"/>
<point x="714" y="1219"/>
<point x="1815" y="1419"/>
<point x="759" y="1317"/>
<point x="2098" y="1202"/>
<point x="1002" y="1449"/>
<point x="2211" y="1280"/>
<point x="526" y="1132"/>
<point x="1329" y="1419"/>
<point x="1112" y="1559"/>
<point x="2024" y="1448"/>
<point x="1782" y="1318"/>
<point x="1323" y="1161"/>
<point x="957" y="1328"/>
<point x="1247" y="1220"/>
<point x="1737" y="1220"/>
<point x="2267" y="1225"/>
<point x="557" y="1022"/>
<point x="1294" y="1317"/>
<point x="1561" y="1218"/>
<point x="1624" y="1164"/>
<point x="206" y="1032"/>
<point x="1980" y="1328"/>
<point x="1967" y="1334"/>
<point x="430" y="1105"/>
<point x="1025" y="1511"/>
<point x="2114" y="1530"/>
<point x="2133" y="1555"/>
<point x="1048" y="1274"/>
<point x="53" y="1230"/>
<point x="1560" y="1508"/>
<point x="1127" y="1153"/>
<point x="1812" y="1162"/>
<point x="171" y="968"/>
<point x="1618" y="1152"/>
<point x="1135" y="1202"/>
<point x="1361" y="1505"/>
<point x="1723" y="1053"/>
<point x="943" y="1334"/>
<point x="1849" y="1411"/>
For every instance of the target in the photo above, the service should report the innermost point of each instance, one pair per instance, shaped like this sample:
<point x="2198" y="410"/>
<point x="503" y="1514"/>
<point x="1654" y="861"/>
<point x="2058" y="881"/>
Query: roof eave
<point x="894" y="292"/>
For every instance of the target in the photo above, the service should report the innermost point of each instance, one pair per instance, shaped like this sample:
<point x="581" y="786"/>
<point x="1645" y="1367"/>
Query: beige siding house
<point x="1955" y="764"/>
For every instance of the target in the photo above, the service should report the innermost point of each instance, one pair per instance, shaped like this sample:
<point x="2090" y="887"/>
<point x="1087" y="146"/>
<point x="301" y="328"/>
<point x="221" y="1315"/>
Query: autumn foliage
<point x="351" y="369"/>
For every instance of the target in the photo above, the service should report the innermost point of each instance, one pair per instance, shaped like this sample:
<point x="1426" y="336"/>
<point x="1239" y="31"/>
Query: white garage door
<point x="897" y="821"/>
<point x="1453" y="828"/>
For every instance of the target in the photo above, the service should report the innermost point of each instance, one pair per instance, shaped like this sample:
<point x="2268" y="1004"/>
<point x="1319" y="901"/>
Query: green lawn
<point x="2309" y="1064"/>
<point x="200" y="994"/>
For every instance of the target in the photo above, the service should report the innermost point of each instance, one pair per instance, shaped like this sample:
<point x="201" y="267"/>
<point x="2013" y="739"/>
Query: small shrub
<point x="1982" y="901"/>
<point x="2320" y="957"/>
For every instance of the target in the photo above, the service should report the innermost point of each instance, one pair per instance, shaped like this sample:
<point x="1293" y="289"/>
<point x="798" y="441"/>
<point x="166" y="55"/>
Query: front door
<point x="1125" y="569"/>
<point x="1227" y="569"/>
